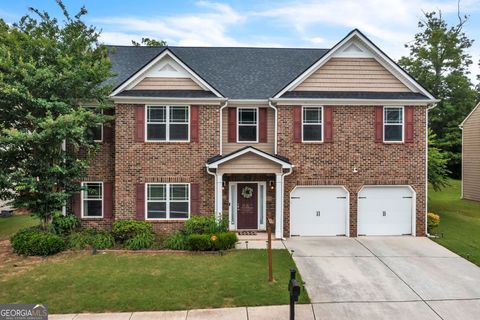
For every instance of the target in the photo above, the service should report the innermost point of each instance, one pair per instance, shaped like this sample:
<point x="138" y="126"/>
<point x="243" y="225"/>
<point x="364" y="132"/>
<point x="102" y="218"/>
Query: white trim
<point x="232" y="206"/>
<point x="221" y="127"/>
<point x="139" y="74"/>
<point x="321" y="124"/>
<point x="82" y="198"/>
<point x="380" y="57"/>
<point x="414" y="202"/>
<point x="426" y="171"/>
<point x="471" y="112"/>
<point x="275" y="132"/>
<point x="167" y="100"/>
<point x="167" y="201"/>
<point x="351" y="102"/>
<point x="247" y="125"/>
<point x="167" y="123"/>
<point x="215" y="164"/>
<point x="347" y="217"/>
<point x="394" y="124"/>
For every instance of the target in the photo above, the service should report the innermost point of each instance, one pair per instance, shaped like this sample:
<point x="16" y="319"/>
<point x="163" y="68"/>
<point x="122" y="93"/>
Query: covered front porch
<point x="249" y="188"/>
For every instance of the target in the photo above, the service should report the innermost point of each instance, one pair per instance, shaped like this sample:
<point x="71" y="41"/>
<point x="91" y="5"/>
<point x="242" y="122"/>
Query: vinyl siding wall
<point x="155" y="83"/>
<point x="471" y="156"/>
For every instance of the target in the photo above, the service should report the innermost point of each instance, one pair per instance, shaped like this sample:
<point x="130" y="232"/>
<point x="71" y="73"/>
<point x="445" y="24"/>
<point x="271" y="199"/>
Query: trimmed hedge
<point x="124" y="230"/>
<point x="35" y="242"/>
<point x="207" y="242"/>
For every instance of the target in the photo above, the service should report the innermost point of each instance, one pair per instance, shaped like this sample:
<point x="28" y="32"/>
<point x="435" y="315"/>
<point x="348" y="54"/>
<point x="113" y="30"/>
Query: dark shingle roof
<point x="168" y="93"/>
<point x="237" y="73"/>
<point x="353" y="95"/>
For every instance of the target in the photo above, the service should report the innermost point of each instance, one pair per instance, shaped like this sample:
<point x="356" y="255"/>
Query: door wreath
<point x="247" y="192"/>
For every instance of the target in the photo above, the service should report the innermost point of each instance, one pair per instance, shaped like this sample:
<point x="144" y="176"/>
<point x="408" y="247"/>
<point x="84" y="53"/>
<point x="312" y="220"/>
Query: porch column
<point x="219" y="195"/>
<point x="278" y="206"/>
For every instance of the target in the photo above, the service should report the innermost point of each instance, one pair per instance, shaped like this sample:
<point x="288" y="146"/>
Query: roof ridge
<point x="214" y="47"/>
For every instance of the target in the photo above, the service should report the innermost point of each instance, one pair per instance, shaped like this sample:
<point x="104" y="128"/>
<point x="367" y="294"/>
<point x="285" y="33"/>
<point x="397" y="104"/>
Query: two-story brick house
<point x="329" y="142"/>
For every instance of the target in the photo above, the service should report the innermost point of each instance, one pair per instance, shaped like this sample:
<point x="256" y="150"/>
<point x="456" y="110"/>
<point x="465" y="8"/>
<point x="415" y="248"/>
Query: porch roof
<point x="213" y="162"/>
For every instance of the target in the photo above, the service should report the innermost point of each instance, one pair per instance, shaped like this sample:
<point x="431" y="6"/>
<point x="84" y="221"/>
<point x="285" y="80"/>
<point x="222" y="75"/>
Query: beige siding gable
<point x="166" y="83"/>
<point x="352" y="74"/>
<point x="471" y="156"/>
<point x="250" y="163"/>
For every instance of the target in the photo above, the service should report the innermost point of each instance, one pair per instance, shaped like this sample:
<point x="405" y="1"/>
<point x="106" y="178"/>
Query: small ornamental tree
<point x="49" y="70"/>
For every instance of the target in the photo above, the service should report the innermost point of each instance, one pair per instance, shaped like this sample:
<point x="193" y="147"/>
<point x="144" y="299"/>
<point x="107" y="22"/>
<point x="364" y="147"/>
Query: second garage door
<point x="385" y="210"/>
<point x="318" y="211"/>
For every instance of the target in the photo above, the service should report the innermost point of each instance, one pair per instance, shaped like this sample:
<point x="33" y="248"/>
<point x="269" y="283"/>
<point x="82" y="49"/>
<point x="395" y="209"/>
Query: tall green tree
<point x="48" y="71"/>
<point x="437" y="163"/>
<point x="149" y="43"/>
<point x="438" y="59"/>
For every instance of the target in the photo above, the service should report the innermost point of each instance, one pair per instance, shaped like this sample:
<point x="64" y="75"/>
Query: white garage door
<point x="385" y="211"/>
<point x="318" y="211"/>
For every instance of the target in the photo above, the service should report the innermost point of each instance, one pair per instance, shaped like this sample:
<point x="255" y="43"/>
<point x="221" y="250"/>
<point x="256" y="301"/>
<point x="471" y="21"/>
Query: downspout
<point x="275" y="126"/>
<point x="221" y="127"/>
<point x="215" y="185"/>
<point x="426" y="169"/>
<point x="290" y="170"/>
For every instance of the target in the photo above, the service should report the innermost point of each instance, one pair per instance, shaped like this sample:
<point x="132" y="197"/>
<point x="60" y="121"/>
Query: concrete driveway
<point x="386" y="278"/>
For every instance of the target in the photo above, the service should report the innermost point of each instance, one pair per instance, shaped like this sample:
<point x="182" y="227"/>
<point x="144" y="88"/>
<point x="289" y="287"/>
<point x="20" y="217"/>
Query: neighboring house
<point x="471" y="155"/>
<point x="327" y="142"/>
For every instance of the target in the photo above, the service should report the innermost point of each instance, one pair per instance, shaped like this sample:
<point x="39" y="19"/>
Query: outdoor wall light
<point x="355" y="170"/>
<point x="224" y="184"/>
<point x="271" y="184"/>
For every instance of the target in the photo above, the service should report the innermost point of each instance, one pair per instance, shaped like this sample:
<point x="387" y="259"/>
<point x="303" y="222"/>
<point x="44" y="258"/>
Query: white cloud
<point x="203" y="29"/>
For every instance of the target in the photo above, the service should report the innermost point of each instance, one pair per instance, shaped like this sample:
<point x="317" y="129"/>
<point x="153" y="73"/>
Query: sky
<point x="279" y="23"/>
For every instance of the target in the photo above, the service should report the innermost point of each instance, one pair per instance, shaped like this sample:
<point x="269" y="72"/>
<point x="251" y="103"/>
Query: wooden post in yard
<point x="269" y="249"/>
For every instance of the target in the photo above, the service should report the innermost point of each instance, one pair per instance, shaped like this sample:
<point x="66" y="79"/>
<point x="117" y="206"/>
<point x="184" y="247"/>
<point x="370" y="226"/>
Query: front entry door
<point x="247" y="206"/>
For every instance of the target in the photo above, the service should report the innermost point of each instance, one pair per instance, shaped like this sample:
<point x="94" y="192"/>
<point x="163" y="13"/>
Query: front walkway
<point x="386" y="278"/>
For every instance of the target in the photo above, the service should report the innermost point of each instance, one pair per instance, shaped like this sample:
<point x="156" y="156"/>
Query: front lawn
<point x="81" y="282"/>
<point x="10" y="225"/>
<point x="459" y="228"/>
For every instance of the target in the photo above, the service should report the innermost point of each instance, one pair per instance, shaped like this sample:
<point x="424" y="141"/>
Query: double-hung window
<point x="92" y="200"/>
<point x="167" y="123"/>
<point x="247" y="125"/>
<point x="393" y="124"/>
<point x="95" y="133"/>
<point x="168" y="201"/>
<point x="312" y="124"/>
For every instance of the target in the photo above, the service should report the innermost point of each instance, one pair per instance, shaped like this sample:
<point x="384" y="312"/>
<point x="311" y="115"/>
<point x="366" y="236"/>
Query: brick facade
<point x="126" y="162"/>
<point x="354" y="146"/>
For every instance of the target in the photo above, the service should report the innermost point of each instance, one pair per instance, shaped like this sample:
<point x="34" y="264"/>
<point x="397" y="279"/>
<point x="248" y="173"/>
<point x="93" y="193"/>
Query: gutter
<point x="221" y="126"/>
<point x="343" y="102"/>
<point x="290" y="170"/>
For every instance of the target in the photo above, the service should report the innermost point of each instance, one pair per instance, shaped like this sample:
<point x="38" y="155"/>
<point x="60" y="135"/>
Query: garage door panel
<point x="385" y="211"/>
<point x="318" y="211"/>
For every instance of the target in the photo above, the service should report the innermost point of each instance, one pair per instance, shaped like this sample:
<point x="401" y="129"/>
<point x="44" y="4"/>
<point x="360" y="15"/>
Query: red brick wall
<point x="354" y="146"/>
<point x="143" y="162"/>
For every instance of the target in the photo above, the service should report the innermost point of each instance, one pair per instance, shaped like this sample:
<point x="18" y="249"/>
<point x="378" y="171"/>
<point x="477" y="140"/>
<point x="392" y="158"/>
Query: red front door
<point x="247" y="206"/>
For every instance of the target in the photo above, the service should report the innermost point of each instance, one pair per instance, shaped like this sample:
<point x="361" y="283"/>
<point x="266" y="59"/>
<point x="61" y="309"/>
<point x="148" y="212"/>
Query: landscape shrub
<point x="433" y="220"/>
<point x="65" y="225"/>
<point x="177" y="241"/>
<point x="91" y="238"/>
<point x="205" y="225"/>
<point x="225" y="240"/>
<point x="200" y="242"/>
<point x="124" y="230"/>
<point x="140" y="241"/>
<point x="35" y="242"/>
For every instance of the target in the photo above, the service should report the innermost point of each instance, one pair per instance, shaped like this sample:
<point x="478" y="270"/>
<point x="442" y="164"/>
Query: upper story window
<point x="312" y="124"/>
<point x="393" y="124"/>
<point x="92" y="200"/>
<point x="168" y="201"/>
<point x="247" y="125"/>
<point x="96" y="133"/>
<point x="167" y="123"/>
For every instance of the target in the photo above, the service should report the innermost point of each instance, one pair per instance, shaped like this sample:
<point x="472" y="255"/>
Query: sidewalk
<point x="302" y="312"/>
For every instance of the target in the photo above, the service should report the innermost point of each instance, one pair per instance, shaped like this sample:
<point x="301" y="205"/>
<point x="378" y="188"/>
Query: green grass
<point x="459" y="228"/>
<point x="10" y="225"/>
<point x="80" y="282"/>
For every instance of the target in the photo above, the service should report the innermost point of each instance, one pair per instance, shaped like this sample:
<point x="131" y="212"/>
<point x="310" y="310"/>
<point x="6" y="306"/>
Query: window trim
<point x="167" y="201"/>
<point x="98" y="124"/>
<point x="167" y="123"/>
<point x="256" y="125"/>
<point x="82" y="198"/>
<point x="402" y="124"/>
<point x="321" y="123"/>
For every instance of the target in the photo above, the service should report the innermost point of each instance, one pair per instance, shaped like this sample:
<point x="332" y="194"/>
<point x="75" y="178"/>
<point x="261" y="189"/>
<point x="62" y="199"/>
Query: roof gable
<point x="474" y="110"/>
<point x="164" y="65"/>
<point x="356" y="45"/>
